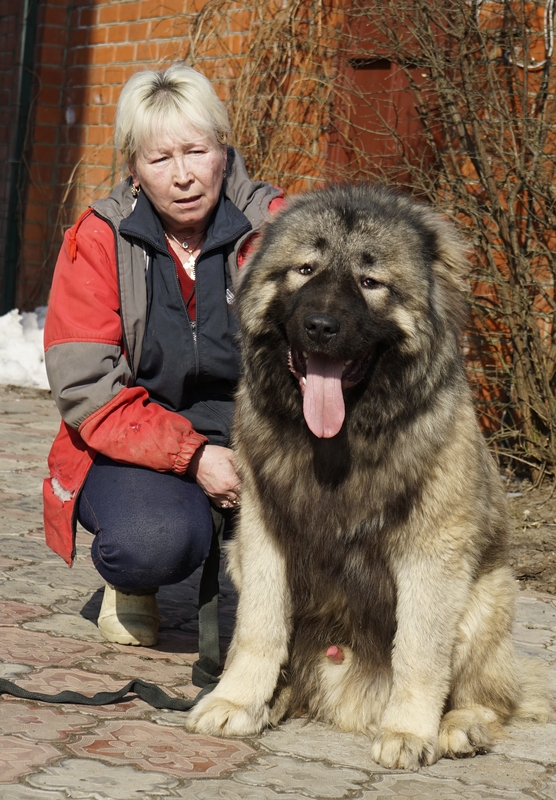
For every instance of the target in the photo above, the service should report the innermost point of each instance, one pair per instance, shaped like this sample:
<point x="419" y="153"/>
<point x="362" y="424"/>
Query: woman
<point x="141" y="353"/>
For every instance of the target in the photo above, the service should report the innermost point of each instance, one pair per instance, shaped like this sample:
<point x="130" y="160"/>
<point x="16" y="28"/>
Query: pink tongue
<point x="323" y="400"/>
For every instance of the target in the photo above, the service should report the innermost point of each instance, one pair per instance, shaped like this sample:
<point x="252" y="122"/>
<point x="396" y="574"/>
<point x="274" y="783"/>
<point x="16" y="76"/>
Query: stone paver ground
<point x="50" y="642"/>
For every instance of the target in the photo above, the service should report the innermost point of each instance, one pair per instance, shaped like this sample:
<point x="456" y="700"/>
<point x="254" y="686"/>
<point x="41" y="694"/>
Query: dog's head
<point x="345" y="283"/>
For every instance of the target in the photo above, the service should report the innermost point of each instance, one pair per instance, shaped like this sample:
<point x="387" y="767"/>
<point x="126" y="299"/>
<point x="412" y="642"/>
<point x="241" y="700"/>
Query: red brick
<point x="50" y="95"/>
<point x="32" y="252"/>
<point x="55" y="15"/>
<point x="146" y="51"/>
<point x="76" y="76"/>
<point x="34" y="232"/>
<point x="51" y="35"/>
<point x="64" y="173"/>
<point x="50" y="76"/>
<point x="169" y="51"/>
<point x="96" y="176"/>
<point x="118" y="33"/>
<point x="95" y="75"/>
<point x="99" y="134"/>
<point x="129" y="12"/>
<point x="166" y="28"/>
<point x="79" y="37"/>
<point x="124" y="54"/>
<point x="51" y="55"/>
<point x="96" y="97"/>
<point x="44" y="153"/>
<point x="78" y="56"/>
<point x="138" y="31"/>
<point x="91" y="112"/>
<point x="46" y="134"/>
<point x="88" y="16"/>
<point x="163" y="8"/>
<point x="107" y="115"/>
<point x="75" y="134"/>
<point x="35" y="212"/>
<point x="108" y="13"/>
<point x="98" y="34"/>
<point x="47" y="115"/>
<point x="114" y="75"/>
<point x="41" y="174"/>
<point x="102" y="55"/>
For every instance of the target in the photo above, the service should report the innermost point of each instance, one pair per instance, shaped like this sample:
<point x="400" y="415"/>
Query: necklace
<point x="189" y="266"/>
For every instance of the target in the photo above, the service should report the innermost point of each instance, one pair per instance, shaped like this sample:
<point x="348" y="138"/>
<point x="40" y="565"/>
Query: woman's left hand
<point x="214" y="469"/>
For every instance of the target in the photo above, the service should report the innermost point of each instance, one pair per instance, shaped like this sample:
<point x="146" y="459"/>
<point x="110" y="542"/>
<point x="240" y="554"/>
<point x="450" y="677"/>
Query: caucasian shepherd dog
<point x="370" y="550"/>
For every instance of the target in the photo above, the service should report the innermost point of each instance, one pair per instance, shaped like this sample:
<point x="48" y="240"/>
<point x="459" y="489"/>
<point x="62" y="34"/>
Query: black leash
<point x="205" y="671"/>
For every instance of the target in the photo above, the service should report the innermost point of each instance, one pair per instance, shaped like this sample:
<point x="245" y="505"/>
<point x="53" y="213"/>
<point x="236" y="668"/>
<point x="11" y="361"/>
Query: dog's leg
<point x="239" y="706"/>
<point x="431" y="593"/>
<point x="490" y="685"/>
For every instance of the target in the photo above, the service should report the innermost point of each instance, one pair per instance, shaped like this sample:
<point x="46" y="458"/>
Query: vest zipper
<point x="192" y="322"/>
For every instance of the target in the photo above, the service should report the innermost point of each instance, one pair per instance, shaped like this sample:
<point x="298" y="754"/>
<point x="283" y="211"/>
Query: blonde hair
<point x="155" y="101"/>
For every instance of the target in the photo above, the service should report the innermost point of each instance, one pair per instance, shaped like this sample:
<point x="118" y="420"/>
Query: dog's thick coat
<point x="370" y="551"/>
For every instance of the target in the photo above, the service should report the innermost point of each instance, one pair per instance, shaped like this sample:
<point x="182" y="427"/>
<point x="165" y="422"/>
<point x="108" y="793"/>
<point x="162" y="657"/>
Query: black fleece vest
<point x="191" y="366"/>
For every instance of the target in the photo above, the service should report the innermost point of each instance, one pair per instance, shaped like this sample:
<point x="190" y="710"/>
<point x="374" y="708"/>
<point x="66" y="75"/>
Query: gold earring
<point x="135" y="190"/>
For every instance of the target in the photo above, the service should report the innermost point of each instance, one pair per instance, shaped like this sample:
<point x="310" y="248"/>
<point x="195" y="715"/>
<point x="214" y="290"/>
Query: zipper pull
<point x="193" y="329"/>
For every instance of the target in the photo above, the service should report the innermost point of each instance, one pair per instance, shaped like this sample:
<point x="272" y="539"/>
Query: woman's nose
<point x="182" y="171"/>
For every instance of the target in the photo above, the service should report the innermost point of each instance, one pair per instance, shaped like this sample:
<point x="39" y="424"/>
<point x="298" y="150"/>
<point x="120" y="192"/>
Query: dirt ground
<point x="533" y="538"/>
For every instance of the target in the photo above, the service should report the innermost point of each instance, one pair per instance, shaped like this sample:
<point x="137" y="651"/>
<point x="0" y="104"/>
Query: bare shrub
<point x="479" y="75"/>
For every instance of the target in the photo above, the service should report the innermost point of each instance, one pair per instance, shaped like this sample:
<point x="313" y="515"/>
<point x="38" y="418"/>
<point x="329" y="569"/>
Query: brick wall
<point x="86" y="50"/>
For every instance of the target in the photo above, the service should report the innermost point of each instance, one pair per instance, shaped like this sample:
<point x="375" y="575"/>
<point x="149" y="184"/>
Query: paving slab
<point x="129" y="751"/>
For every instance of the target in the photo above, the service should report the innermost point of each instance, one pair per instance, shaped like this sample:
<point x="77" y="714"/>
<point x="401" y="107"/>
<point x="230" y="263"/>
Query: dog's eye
<point x="306" y="269"/>
<point x="370" y="283"/>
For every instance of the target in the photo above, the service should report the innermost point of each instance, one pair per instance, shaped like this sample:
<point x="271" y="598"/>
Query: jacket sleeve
<point x="87" y="369"/>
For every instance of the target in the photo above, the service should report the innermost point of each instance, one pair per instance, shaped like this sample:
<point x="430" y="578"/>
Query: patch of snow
<point x="22" y="350"/>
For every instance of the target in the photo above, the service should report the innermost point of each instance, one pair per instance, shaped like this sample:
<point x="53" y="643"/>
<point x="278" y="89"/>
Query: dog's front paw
<point x="217" y="716"/>
<point x="396" y="750"/>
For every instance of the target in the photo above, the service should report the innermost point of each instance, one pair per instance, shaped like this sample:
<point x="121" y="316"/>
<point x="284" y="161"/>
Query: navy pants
<point x="151" y="528"/>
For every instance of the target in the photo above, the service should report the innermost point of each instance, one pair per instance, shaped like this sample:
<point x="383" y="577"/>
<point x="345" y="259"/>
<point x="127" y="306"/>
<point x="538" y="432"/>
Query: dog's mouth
<point x="322" y="381"/>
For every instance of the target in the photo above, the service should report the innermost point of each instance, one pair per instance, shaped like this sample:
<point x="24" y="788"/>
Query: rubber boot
<point x="129" y="618"/>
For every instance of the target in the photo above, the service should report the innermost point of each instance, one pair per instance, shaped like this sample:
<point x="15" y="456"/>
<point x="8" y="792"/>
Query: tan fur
<point x="388" y="539"/>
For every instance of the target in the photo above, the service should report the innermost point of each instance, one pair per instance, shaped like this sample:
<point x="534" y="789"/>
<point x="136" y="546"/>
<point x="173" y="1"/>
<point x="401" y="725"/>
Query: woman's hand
<point x="214" y="469"/>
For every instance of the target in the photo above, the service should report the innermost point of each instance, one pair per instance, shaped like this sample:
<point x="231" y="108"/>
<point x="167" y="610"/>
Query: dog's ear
<point x="450" y="266"/>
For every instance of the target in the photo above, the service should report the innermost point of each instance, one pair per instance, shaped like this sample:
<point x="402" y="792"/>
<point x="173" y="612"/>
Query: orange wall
<point x="86" y="49"/>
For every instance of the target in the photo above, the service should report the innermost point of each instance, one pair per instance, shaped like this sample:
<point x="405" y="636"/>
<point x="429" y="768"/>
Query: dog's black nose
<point x="321" y="327"/>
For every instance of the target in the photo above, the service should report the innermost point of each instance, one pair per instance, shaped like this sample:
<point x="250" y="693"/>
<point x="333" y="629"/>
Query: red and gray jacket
<point x="93" y="338"/>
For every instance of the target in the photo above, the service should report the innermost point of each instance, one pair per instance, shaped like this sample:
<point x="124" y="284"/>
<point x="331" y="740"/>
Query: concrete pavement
<point x="49" y="642"/>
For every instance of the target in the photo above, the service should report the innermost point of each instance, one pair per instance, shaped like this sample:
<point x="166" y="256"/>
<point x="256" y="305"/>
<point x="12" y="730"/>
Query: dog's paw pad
<point x="396" y="750"/>
<point x="216" y="716"/>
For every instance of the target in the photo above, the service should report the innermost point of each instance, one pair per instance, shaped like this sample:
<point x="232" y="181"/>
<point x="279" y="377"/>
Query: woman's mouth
<point x="188" y="201"/>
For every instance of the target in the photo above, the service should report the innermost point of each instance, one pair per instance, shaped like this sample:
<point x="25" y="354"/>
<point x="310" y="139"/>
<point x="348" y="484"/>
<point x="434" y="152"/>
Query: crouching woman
<point x="141" y="349"/>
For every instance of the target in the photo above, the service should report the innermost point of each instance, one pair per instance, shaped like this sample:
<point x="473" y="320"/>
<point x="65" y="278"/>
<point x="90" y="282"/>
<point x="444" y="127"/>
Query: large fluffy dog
<point x="369" y="559"/>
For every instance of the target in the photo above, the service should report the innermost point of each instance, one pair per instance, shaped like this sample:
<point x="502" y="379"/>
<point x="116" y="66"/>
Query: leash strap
<point x="149" y="692"/>
<point x="205" y="671"/>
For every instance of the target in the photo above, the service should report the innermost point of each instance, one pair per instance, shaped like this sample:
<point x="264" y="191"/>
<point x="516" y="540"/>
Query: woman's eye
<point x="370" y="283"/>
<point x="305" y="270"/>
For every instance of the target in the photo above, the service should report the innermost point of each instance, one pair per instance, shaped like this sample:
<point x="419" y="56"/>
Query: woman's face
<point x="182" y="178"/>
